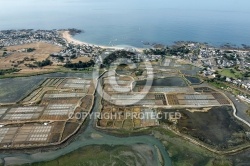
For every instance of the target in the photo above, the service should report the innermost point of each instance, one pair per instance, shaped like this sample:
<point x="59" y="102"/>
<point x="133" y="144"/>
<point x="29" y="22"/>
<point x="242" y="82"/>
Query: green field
<point x="231" y="73"/>
<point x="102" y="155"/>
<point x="185" y="153"/>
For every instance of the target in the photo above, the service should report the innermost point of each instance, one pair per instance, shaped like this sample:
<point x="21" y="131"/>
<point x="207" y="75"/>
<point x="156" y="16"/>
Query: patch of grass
<point x="95" y="155"/>
<point x="185" y="153"/>
<point x="231" y="73"/>
<point x="218" y="85"/>
<point x="181" y="152"/>
<point x="248" y="112"/>
<point x="9" y="71"/>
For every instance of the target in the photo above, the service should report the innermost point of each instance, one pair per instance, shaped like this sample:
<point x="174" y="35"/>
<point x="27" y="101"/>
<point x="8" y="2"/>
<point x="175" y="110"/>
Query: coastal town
<point x="226" y="64"/>
<point x="125" y="83"/>
<point x="192" y="81"/>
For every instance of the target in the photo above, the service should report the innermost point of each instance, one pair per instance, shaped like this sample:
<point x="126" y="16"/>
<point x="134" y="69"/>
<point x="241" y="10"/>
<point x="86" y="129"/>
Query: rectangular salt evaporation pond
<point x="135" y="102"/>
<point x="61" y="106"/>
<point x="33" y="134"/>
<point x="195" y="97"/>
<point x="7" y="134"/>
<point x="76" y="86"/>
<point x="127" y="97"/>
<point x="146" y="102"/>
<point x="64" y="95"/>
<point x="172" y="89"/>
<point x="26" y="110"/>
<point x="2" y="111"/>
<point x="164" y="82"/>
<point x="119" y="89"/>
<point x="14" y="89"/>
<point x="59" y="110"/>
<point x="189" y="70"/>
<point x="78" y="81"/>
<point x="3" y="132"/>
<point x="21" y="116"/>
<point x="115" y="82"/>
<point x="200" y="102"/>
<point x="193" y="80"/>
<point x="40" y="133"/>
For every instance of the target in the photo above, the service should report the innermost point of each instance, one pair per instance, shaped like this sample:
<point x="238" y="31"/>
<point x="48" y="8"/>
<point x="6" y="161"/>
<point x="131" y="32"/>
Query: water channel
<point x="84" y="139"/>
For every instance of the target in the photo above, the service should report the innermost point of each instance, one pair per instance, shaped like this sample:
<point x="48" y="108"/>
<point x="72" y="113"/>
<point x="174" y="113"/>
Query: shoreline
<point x="70" y="39"/>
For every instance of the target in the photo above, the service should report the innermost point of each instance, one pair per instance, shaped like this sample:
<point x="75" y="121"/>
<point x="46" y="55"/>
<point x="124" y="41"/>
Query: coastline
<point x="70" y="39"/>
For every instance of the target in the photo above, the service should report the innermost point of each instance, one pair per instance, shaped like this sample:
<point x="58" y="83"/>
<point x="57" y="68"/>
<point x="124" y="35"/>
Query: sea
<point x="135" y="22"/>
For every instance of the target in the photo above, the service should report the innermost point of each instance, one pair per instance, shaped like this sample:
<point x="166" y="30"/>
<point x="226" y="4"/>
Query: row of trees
<point x="8" y="71"/>
<point x="43" y="63"/>
<point x="80" y="64"/>
<point x="116" y="55"/>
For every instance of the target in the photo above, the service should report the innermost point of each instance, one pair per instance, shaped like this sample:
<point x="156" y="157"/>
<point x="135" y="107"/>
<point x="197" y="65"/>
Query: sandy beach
<point x="69" y="38"/>
<point x="66" y="35"/>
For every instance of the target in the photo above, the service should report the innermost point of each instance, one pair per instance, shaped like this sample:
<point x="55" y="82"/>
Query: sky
<point x="220" y="5"/>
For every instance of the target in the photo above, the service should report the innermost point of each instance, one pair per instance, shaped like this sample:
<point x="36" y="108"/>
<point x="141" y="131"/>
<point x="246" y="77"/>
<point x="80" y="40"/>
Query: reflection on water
<point x="169" y="81"/>
<point x="193" y="80"/>
<point x="13" y="89"/>
<point x="84" y="139"/>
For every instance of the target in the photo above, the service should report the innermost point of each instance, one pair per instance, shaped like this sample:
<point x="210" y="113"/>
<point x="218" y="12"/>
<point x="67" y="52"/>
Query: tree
<point x="43" y="63"/>
<point x="61" y="58"/>
<point x="31" y="49"/>
<point x="4" y="53"/>
<point x="80" y="65"/>
<point x="232" y="71"/>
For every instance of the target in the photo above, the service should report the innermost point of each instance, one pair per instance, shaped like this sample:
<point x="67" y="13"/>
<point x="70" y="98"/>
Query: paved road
<point x="240" y="106"/>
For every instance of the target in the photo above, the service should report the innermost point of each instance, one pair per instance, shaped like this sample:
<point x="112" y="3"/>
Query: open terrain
<point x="21" y="56"/>
<point x="231" y="73"/>
<point x="139" y="155"/>
<point x="216" y="128"/>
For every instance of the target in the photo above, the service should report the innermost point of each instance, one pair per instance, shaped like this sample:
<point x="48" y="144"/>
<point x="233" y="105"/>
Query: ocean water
<point x="133" y="22"/>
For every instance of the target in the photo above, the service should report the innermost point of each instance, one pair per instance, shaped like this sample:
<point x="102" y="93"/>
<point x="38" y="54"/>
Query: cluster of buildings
<point x="137" y="57"/>
<point x="26" y="36"/>
<point x="72" y="51"/>
<point x="214" y="59"/>
<point x="238" y="82"/>
<point x="217" y="58"/>
<point x="244" y="98"/>
<point x="69" y="51"/>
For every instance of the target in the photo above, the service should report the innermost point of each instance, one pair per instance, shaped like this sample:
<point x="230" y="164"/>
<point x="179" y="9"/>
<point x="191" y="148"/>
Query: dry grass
<point x="42" y="52"/>
<point x="83" y="59"/>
